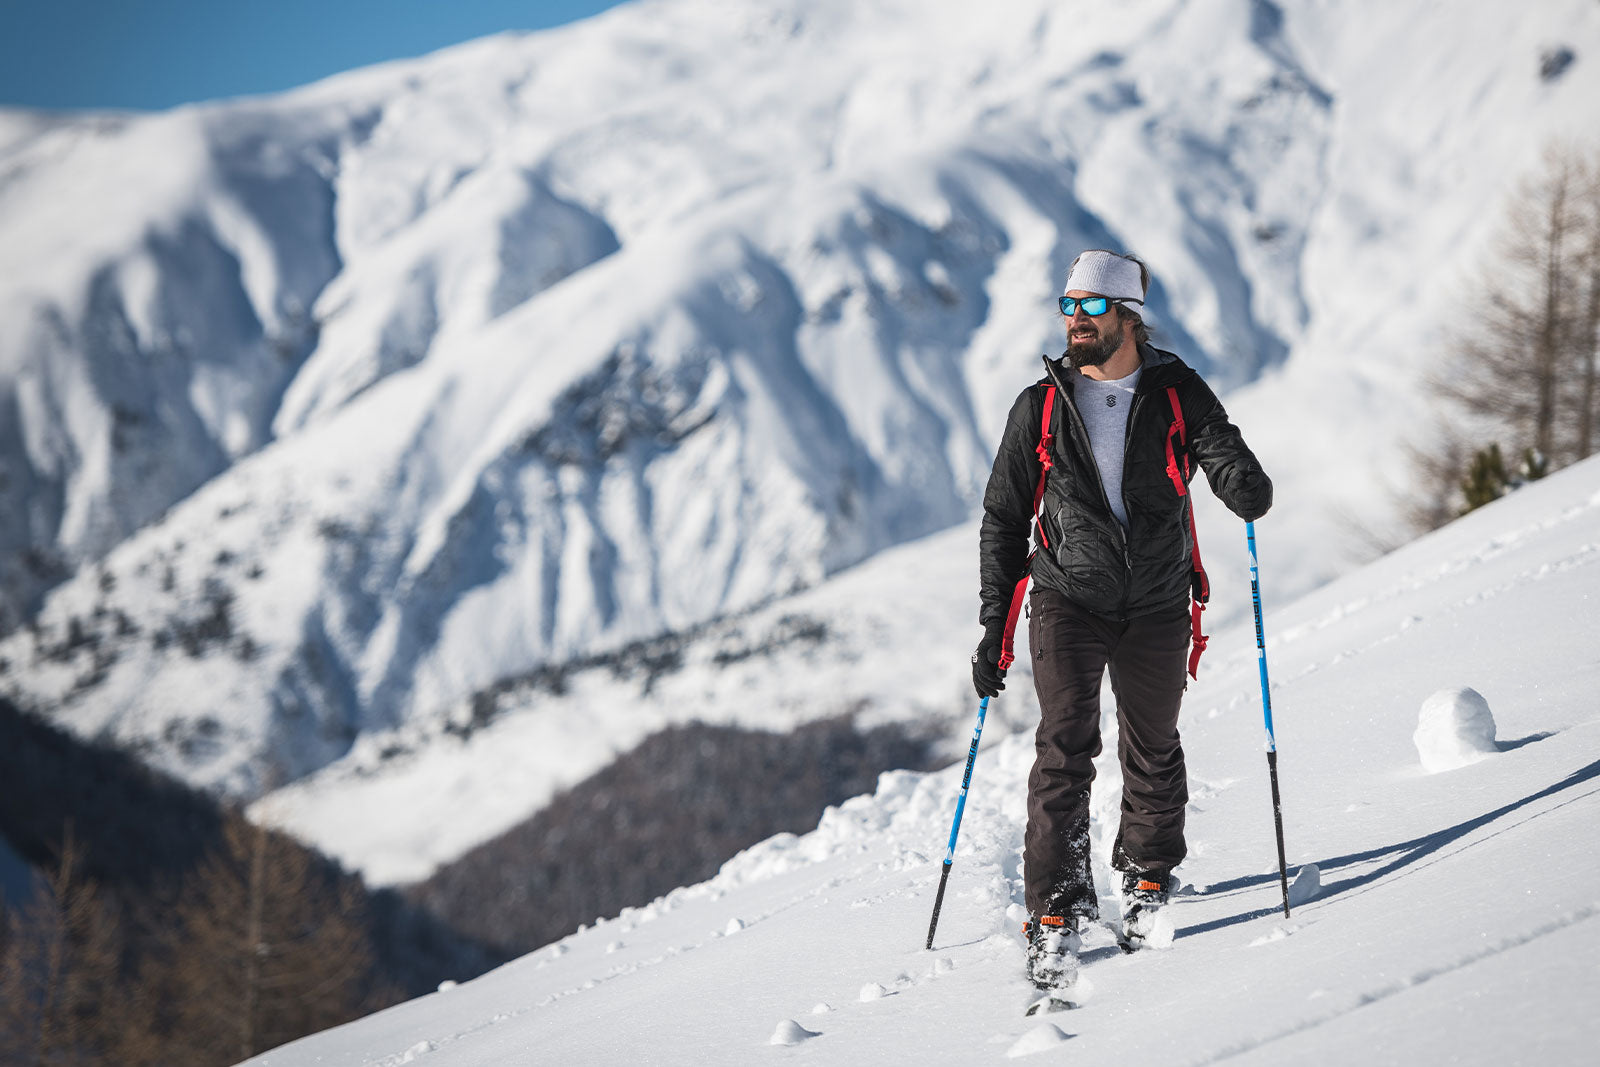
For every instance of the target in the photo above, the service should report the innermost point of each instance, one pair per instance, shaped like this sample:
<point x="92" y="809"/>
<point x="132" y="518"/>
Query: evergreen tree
<point x="1486" y="479"/>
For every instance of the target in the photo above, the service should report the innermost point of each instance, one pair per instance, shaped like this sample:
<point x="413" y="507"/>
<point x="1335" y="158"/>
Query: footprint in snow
<point x="410" y="1055"/>
<point x="1279" y="932"/>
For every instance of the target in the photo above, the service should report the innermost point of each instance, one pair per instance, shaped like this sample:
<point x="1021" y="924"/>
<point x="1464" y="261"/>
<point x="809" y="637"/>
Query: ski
<point x="1146" y="915"/>
<point x="1074" y="994"/>
<point x="1131" y="934"/>
<point x="1055" y="1000"/>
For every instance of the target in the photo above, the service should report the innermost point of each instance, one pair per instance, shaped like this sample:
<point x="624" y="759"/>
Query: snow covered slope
<point x="1452" y="917"/>
<point x="887" y="640"/>
<point x="351" y="403"/>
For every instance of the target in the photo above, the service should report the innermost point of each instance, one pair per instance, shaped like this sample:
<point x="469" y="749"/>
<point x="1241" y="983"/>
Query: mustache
<point x="1094" y="353"/>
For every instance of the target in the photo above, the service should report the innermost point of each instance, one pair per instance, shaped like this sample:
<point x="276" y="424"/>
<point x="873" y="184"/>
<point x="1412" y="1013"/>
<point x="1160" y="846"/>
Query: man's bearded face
<point x="1092" y="341"/>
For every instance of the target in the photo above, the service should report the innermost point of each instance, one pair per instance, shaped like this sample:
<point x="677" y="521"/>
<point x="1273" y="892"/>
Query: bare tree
<point x="1586" y="339"/>
<point x="1520" y="377"/>
<point x="269" y="946"/>
<point x="1440" y="466"/>
<point x="59" y="975"/>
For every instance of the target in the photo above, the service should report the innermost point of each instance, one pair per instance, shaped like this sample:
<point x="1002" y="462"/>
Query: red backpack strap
<point x="1020" y="593"/>
<point x="1046" y="439"/>
<point x="1200" y="585"/>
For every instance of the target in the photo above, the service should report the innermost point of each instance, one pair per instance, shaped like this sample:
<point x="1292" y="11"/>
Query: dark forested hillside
<point x="165" y="928"/>
<point x="190" y="935"/>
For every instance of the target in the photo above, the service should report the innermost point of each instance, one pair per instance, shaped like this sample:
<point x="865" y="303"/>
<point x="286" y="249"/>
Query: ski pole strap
<point x="1008" y="652"/>
<point x="1198" y="644"/>
<point x="1200" y="585"/>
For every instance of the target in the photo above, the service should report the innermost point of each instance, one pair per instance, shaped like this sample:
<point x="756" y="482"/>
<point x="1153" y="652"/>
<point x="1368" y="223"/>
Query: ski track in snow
<point x="1463" y="562"/>
<point x="1397" y="862"/>
<point x="1417" y="979"/>
<point x="1365" y="873"/>
<point x="1584" y="556"/>
<point x="738" y="925"/>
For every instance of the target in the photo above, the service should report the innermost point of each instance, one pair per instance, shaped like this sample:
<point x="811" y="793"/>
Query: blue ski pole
<point x="1266" y="711"/>
<point x="955" y="827"/>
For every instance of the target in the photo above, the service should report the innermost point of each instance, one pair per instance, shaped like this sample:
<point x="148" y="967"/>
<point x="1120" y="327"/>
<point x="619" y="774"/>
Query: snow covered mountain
<point x="1443" y="917"/>
<point x="347" y="406"/>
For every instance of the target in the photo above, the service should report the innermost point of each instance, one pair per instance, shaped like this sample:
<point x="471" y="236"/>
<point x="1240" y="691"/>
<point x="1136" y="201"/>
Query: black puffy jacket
<point x="1091" y="559"/>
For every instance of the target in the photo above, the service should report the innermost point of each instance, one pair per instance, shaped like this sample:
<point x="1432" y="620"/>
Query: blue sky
<point x="151" y="54"/>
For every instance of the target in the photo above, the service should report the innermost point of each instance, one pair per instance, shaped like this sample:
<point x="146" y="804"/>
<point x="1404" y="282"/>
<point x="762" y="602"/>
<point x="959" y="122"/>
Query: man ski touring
<point x="1113" y="572"/>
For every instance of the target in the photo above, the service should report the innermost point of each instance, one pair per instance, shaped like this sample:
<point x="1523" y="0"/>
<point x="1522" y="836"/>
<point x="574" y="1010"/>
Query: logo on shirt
<point x="1111" y="400"/>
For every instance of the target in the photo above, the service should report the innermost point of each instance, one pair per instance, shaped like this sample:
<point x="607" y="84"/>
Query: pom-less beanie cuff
<point x="1107" y="274"/>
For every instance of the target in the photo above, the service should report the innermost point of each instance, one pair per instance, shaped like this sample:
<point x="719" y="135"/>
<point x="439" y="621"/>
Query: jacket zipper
<point x="1082" y="434"/>
<point x="1122" y="491"/>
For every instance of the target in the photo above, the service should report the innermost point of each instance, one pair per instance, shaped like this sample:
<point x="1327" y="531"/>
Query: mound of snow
<point x="790" y="1032"/>
<point x="1454" y="729"/>
<point x="1162" y="931"/>
<point x="1306" y="885"/>
<point x="1041" y="1038"/>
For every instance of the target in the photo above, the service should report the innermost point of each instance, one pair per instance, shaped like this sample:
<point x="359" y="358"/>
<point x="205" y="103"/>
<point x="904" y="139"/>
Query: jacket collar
<point x="1161" y="369"/>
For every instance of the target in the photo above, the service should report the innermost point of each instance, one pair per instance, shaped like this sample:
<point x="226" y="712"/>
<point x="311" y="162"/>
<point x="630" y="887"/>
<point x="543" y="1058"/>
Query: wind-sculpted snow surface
<point x="1413" y="894"/>
<point x="343" y="406"/>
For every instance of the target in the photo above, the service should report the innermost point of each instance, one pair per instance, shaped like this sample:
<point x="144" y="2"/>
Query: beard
<point x="1095" y="353"/>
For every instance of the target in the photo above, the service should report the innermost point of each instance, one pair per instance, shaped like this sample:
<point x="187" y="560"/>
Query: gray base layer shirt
<point x="1104" y="407"/>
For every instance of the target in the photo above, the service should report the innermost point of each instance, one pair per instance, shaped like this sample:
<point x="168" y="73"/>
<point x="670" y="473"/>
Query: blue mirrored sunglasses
<point x="1093" y="306"/>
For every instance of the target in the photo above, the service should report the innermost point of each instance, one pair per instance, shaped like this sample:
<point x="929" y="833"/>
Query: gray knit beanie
<point x="1108" y="274"/>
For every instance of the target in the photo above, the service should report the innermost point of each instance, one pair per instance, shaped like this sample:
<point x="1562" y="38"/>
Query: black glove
<point x="1254" y="497"/>
<point x="987" y="677"/>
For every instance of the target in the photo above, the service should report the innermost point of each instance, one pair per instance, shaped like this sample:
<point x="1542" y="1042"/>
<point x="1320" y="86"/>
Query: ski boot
<point x="1052" y="952"/>
<point x="1144" y="894"/>
<point x="1053" y="964"/>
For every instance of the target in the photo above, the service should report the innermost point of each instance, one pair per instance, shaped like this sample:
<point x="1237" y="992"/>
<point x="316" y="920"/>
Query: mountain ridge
<point x="779" y="278"/>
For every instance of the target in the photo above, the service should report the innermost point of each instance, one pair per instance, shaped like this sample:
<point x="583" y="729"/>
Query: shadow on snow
<point x="1400" y="856"/>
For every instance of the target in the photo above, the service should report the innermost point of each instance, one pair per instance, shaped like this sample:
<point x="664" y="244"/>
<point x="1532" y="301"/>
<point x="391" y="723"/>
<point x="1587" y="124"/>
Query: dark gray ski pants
<point x="1147" y="656"/>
